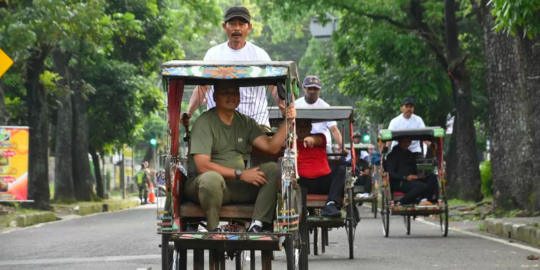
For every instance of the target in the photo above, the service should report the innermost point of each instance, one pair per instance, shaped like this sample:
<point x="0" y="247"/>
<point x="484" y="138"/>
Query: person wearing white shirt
<point x="253" y="103"/>
<point x="407" y="120"/>
<point x="312" y="90"/>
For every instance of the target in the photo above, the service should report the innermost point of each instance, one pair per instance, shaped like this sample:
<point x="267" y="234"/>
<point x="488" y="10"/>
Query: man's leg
<point x="210" y="191"/>
<point x="265" y="204"/>
<point x="140" y="192"/>
<point x="412" y="190"/>
<point x="145" y="189"/>
<point x="431" y="186"/>
<point x="337" y="186"/>
<point x="366" y="179"/>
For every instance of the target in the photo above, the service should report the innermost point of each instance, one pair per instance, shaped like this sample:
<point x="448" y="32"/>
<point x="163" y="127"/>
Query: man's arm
<point x="273" y="145"/>
<point x="250" y="176"/>
<point x="336" y="134"/>
<point x="196" y="99"/>
<point x="392" y="168"/>
<point x="274" y="92"/>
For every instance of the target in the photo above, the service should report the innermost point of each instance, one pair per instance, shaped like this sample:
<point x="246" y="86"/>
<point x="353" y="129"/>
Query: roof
<point x="321" y="114"/>
<point x="423" y="134"/>
<point x="360" y="146"/>
<point x="248" y="73"/>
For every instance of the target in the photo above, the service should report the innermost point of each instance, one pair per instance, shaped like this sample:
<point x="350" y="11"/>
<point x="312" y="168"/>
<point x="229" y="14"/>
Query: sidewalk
<point x="525" y="229"/>
<point x="61" y="212"/>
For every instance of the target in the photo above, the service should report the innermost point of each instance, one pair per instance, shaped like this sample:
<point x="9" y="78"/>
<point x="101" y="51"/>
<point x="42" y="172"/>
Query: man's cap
<point x="356" y="135"/>
<point x="312" y="81"/>
<point x="407" y="100"/>
<point x="237" y="12"/>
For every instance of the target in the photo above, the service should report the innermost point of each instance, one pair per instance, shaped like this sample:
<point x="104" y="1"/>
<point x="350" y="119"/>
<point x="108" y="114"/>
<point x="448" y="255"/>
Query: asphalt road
<point x="128" y="240"/>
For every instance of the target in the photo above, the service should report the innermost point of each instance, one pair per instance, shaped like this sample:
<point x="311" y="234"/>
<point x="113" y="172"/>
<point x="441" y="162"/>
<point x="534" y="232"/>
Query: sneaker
<point x="255" y="229"/>
<point x="330" y="210"/>
<point x="426" y="202"/>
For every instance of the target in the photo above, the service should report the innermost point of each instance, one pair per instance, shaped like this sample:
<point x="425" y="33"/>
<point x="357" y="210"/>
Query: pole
<point x="122" y="176"/>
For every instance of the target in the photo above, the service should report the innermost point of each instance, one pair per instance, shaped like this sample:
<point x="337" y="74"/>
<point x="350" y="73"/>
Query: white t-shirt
<point x="252" y="99"/>
<point x="401" y="122"/>
<point x="322" y="127"/>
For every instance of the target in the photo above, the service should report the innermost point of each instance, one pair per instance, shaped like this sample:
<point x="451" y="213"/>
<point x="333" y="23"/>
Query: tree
<point x="512" y="74"/>
<point x="409" y="28"/>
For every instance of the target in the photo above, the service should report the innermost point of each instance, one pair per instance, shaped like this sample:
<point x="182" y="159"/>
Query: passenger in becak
<point x="217" y="174"/>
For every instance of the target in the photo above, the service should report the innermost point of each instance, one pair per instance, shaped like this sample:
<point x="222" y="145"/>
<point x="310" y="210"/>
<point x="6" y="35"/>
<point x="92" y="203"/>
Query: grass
<point x="481" y="227"/>
<point x="462" y="202"/>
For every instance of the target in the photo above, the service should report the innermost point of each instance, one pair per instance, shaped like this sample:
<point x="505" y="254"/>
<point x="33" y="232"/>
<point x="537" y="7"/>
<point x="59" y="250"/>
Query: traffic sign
<point x="5" y="62"/>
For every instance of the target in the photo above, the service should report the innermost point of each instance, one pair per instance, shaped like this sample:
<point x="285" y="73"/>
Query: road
<point x="128" y="240"/>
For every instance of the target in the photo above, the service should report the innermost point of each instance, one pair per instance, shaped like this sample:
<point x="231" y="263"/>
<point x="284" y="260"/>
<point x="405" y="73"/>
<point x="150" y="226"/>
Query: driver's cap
<point x="407" y="100"/>
<point x="312" y="81"/>
<point x="237" y="12"/>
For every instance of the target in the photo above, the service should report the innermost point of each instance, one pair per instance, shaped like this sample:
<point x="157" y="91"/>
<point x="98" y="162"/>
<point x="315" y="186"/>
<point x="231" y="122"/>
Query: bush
<point x="487" y="183"/>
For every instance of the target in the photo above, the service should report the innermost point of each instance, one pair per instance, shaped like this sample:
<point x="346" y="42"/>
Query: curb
<point x="62" y="210"/>
<point x="522" y="232"/>
<point x="83" y="210"/>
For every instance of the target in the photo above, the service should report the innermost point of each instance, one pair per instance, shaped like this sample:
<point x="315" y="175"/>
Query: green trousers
<point x="212" y="191"/>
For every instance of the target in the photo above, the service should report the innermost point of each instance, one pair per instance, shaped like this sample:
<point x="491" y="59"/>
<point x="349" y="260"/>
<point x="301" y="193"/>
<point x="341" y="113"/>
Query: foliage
<point x="517" y="16"/>
<point x="487" y="183"/>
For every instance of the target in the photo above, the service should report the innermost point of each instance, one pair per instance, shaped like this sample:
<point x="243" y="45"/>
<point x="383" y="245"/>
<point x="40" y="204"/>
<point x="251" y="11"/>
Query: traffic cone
<point x="151" y="194"/>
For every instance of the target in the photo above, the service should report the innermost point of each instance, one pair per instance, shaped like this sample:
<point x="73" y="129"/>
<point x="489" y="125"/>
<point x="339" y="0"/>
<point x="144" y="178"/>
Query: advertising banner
<point x="128" y="161"/>
<point x="13" y="163"/>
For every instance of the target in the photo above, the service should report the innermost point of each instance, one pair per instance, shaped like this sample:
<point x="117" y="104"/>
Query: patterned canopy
<point x="249" y="73"/>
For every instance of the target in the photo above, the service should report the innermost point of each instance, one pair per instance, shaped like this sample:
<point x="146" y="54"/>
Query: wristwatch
<point x="238" y="173"/>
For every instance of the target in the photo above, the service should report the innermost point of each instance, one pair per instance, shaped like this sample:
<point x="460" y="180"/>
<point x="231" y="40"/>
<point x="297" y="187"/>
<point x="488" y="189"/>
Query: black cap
<point x="312" y="81"/>
<point x="237" y="12"/>
<point x="407" y="100"/>
<point x="356" y="135"/>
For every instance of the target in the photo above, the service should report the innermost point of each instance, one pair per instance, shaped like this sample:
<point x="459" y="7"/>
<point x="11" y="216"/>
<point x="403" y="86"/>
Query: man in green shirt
<point x="216" y="172"/>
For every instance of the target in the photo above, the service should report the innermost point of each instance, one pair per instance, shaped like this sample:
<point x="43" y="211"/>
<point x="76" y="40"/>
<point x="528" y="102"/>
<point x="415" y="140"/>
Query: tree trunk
<point x="38" y="120"/>
<point x="511" y="145"/>
<point x="63" y="182"/>
<point x="463" y="166"/>
<point x="3" y="112"/>
<point x="529" y="56"/>
<point x="100" y="186"/>
<point x="82" y="176"/>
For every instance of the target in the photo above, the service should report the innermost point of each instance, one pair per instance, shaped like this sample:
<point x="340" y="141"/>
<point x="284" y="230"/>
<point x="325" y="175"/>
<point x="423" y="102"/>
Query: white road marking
<point x="498" y="240"/>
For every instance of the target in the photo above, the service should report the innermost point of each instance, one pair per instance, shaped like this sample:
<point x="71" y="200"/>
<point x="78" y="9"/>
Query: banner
<point x="13" y="163"/>
<point x="128" y="159"/>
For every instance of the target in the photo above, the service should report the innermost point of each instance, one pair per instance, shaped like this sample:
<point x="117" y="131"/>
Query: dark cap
<point x="237" y="12"/>
<point x="312" y="81"/>
<point x="356" y="135"/>
<point x="407" y="100"/>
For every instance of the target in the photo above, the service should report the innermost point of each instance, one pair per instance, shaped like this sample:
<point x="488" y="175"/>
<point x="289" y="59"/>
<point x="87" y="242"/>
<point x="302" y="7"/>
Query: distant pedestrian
<point x="143" y="181"/>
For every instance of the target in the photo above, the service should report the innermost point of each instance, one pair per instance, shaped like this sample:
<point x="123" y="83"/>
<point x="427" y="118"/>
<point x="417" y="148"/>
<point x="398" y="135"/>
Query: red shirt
<point x="312" y="162"/>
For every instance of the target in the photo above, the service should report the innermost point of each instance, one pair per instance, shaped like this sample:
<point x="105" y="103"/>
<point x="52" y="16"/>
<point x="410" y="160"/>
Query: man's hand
<point x="254" y="177"/>
<point x="384" y="150"/>
<point x="185" y="119"/>
<point x="366" y="172"/>
<point x="412" y="177"/>
<point x="291" y="111"/>
<point x="309" y="142"/>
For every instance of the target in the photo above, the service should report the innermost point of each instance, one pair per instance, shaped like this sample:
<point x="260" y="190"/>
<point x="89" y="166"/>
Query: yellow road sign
<point x="5" y="62"/>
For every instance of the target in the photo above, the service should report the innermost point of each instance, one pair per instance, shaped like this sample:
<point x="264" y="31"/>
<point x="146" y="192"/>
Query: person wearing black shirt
<point x="401" y="166"/>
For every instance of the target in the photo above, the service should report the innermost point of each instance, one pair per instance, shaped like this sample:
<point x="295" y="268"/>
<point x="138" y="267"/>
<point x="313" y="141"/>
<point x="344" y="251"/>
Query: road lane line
<point x="502" y="241"/>
<point x="80" y="260"/>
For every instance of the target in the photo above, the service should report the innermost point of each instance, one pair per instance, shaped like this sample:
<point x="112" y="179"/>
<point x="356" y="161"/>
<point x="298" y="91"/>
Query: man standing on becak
<point x="312" y="90"/>
<point x="253" y="103"/>
<point x="407" y="120"/>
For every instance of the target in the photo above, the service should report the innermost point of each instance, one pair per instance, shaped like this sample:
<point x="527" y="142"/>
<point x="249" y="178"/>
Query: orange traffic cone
<point x="151" y="194"/>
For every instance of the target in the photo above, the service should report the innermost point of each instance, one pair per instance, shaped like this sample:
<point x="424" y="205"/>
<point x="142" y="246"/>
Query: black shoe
<point x="216" y="230"/>
<point x="255" y="229"/>
<point x="330" y="210"/>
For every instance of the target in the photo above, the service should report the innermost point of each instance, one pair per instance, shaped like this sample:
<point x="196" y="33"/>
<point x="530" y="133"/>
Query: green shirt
<point x="225" y="145"/>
